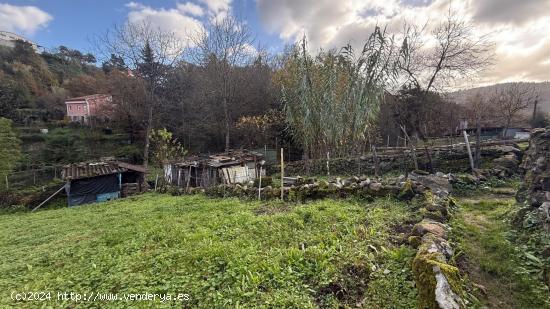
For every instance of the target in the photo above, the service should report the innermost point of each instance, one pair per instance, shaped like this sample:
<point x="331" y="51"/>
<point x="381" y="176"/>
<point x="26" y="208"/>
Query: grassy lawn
<point x="220" y="252"/>
<point x="509" y="272"/>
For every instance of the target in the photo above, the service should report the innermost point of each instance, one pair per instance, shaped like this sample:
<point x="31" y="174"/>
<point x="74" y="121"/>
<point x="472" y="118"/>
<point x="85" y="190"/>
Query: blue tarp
<point x="94" y="189"/>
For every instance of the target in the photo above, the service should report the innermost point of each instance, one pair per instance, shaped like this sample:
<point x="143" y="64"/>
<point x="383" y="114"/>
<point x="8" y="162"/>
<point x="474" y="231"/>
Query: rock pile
<point x="535" y="189"/>
<point x="362" y="187"/>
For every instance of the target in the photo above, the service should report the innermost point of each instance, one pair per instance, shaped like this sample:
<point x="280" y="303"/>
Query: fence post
<point x="260" y="185"/>
<point x="282" y="173"/>
<point x="7" y="183"/>
<point x="469" y="150"/>
<point x="328" y="164"/>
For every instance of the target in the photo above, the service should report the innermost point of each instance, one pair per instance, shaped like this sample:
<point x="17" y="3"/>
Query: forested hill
<point x="34" y="86"/>
<point x="542" y="88"/>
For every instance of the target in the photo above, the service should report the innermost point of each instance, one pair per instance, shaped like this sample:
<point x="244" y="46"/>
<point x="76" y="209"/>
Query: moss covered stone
<point x="438" y="282"/>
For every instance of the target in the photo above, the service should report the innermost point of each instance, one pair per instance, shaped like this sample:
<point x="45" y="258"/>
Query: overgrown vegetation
<point x="221" y="252"/>
<point x="9" y="147"/>
<point x="331" y="100"/>
<point x="503" y="264"/>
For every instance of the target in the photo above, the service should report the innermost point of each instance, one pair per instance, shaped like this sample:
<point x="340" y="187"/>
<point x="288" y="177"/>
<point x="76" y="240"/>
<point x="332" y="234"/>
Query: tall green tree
<point x="10" y="151"/>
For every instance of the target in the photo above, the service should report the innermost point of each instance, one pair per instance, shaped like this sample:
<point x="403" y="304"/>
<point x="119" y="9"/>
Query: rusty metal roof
<point x="93" y="169"/>
<point x="231" y="157"/>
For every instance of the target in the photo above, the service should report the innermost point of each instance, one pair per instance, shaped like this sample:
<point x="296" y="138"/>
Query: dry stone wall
<point x="448" y="161"/>
<point x="535" y="189"/>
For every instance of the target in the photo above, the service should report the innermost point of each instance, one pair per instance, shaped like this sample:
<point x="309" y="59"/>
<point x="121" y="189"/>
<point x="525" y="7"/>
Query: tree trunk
<point x="227" y="124"/>
<point x="147" y="133"/>
<point x="505" y="133"/>
<point x="534" y="113"/>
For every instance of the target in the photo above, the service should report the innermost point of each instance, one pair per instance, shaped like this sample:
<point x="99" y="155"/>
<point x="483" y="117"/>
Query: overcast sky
<point x="520" y="29"/>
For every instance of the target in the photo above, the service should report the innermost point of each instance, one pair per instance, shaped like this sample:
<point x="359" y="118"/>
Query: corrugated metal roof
<point x="93" y="169"/>
<point x="232" y="157"/>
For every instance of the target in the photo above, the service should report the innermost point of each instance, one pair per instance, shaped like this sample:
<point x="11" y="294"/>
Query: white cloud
<point x="171" y="20"/>
<point x="190" y="8"/>
<point x="217" y="9"/>
<point x="520" y="32"/>
<point x="510" y="11"/>
<point x="217" y="5"/>
<point x="25" y="19"/>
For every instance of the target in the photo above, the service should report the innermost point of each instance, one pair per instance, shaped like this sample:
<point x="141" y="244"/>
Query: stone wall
<point x="447" y="161"/>
<point x="535" y="189"/>
<point x="437" y="279"/>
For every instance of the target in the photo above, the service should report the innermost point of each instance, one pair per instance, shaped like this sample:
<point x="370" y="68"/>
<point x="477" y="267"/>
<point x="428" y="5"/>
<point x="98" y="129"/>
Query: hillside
<point x="543" y="89"/>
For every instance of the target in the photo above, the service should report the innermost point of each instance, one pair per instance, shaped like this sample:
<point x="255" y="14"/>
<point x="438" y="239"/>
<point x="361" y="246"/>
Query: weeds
<point x="493" y="258"/>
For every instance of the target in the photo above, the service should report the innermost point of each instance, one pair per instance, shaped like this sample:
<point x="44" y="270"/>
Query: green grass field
<point x="222" y="253"/>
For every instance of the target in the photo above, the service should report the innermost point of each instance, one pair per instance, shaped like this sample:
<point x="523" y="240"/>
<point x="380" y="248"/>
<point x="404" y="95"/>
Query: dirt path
<point x="489" y="258"/>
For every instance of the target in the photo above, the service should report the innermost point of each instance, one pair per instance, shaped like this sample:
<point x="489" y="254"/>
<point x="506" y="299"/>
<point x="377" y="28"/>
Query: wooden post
<point x="469" y="150"/>
<point x="188" y="180"/>
<point x="282" y="173"/>
<point x="7" y="183"/>
<point x="49" y="198"/>
<point x="260" y="185"/>
<point x="411" y="146"/>
<point x="375" y="161"/>
<point x="156" y="182"/>
<point x="328" y="164"/>
<point x="430" y="163"/>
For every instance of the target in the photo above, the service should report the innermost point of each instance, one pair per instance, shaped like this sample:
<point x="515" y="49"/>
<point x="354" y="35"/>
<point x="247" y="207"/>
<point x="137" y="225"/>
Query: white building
<point x="8" y="39"/>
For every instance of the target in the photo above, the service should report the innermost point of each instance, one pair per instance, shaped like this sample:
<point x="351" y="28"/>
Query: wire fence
<point x="32" y="177"/>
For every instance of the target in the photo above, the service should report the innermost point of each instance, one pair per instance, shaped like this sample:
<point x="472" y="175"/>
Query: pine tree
<point x="148" y="68"/>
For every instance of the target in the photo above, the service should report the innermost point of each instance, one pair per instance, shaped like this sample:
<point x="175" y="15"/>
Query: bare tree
<point x="433" y="61"/>
<point x="481" y="112"/>
<point x="129" y="42"/>
<point x="455" y="51"/>
<point x="512" y="99"/>
<point x="221" y="48"/>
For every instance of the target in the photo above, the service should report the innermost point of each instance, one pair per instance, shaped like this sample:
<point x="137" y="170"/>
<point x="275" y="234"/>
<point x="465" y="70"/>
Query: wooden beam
<point x="49" y="198"/>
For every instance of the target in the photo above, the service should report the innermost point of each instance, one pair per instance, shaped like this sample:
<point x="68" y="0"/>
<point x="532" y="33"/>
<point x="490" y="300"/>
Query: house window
<point x="79" y="107"/>
<point x="70" y="107"/>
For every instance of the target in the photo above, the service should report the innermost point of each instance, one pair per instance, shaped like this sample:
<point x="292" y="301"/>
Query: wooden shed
<point x="235" y="166"/>
<point x="90" y="182"/>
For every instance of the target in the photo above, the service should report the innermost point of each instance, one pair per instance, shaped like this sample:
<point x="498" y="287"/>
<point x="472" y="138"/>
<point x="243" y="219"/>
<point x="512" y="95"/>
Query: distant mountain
<point x="543" y="89"/>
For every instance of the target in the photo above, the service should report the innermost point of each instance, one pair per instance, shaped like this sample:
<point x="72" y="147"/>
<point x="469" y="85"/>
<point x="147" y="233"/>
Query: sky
<point x="519" y="29"/>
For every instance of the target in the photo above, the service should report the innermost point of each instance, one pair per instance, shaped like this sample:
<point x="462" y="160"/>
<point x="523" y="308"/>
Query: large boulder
<point x="438" y="183"/>
<point x="509" y="161"/>
<point x="430" y="226"/>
